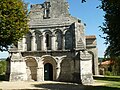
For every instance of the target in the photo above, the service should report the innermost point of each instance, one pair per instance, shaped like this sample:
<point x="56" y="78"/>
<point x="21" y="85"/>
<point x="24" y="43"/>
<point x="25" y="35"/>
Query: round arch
<point x="57" y="30"/>
<point x="50" y="62"/>
<point x="64" y="31"/>
<point x="68" y="40"/>
<point x="38" y="39"/>
<point x="29" y="40"/>
<point x="93" y="62"/>
<point x="47" y="32"/>
<point x="47" y="35"/>
<point x="31" y="68"/>
<point x="58" y="39"/>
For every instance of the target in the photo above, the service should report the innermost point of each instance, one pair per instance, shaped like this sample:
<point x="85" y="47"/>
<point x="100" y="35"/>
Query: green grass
<point x="108" y="78"/>
<point x="109" y="81"/>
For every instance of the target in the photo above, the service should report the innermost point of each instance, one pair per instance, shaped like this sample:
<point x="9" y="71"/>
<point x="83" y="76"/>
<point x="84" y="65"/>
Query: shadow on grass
<point x="117" y="79"/>
<point x="60" y="86"/>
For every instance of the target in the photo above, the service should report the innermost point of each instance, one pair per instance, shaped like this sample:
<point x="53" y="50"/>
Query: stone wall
<point x="55" y="39"/>
<point x="91" y="46"/>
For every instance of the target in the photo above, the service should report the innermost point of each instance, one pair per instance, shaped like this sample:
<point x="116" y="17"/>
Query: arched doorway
<point x="48" y="71"/>
<point x="31" y="69"/>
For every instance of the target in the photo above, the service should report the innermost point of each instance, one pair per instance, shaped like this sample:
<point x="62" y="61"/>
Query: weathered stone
<point x="55" y="48"/>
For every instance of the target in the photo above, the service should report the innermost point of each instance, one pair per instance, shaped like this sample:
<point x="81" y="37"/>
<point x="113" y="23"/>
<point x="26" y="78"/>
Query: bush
<point x="2" y="67"/>
<point x="108" y="73"/>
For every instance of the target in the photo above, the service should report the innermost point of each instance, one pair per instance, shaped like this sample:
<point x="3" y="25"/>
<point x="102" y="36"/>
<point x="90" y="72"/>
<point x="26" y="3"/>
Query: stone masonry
<point x="55" y="49"/>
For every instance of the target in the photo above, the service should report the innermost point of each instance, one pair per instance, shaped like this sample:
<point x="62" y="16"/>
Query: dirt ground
<point x="47" y="85"/>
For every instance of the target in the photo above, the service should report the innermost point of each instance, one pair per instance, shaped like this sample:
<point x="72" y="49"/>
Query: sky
<point x="88" y="14"/>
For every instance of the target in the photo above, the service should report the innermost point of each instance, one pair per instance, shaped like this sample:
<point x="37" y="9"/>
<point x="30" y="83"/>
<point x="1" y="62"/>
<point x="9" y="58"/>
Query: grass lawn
<point x="110" y="83"/>
<point x="106" y="83"/>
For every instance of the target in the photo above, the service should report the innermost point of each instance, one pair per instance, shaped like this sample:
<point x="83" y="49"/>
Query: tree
<point x="2" y="66"/>
<point x="111" y="26"/>
<point x="13" y="22"/>
<point x="83" y="1"/>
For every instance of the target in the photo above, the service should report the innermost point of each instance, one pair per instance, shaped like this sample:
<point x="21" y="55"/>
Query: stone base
<point x="87" y="79"/>
<point x="18" y="77"/>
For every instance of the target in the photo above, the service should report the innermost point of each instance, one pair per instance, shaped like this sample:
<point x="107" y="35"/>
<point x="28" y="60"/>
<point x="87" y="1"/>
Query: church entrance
<point x="48" y="71"/>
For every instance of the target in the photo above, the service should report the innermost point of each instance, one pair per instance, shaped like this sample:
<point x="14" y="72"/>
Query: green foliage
<point x="2" y="67"/>
<point x="83" y="1"/>
<point x="116" y="66"/>
<point x="111" y="26"/>
<point x="13" y="22"/>
<point x="108" y="73"/>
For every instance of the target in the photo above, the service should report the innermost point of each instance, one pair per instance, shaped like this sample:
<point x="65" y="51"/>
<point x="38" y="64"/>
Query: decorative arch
<point x="29" y="41"/>
<point x="48" y="40"/>
<point x="48" y="58"/>
<point x="58" y="39"/>
<point x="47" y="32"/>
<point x="64" y="31"/>
<point x="31" y="69"/>
<point x="51" y="63"/>
<point x="68" y="40"/>
<point x="38" y="41"/>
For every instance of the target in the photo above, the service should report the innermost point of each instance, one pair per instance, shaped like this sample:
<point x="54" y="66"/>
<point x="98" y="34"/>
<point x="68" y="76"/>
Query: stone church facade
<point x="56" y="47"/>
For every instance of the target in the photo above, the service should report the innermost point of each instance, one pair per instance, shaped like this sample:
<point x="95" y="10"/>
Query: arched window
<point x="38" y="39"/>
<point x="59" y="40"/>
<point x="48" y="41"/>
<point x="68" y="40"/>
<point x="28" y="41"/>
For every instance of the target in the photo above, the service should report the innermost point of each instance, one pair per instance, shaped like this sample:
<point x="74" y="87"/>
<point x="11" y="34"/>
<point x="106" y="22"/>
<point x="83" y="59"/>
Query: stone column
<point x="63" y="42"/>
<point x="24" y="44"/>
<point x="58" y="68"/>
<point x="20" y="46"/>
<point x="17" y="68"/>
<point x="33" y="43"/>
<point x="44" y="43"/>
<point x="86" y="68"/>
<point x="96" y="62"/>
<point x="53" y="42"/>
<point x="28" y="72"/>
<point x="40" y="74"/>
<point x="58" y="71"/>
<point x="40" y="70"/>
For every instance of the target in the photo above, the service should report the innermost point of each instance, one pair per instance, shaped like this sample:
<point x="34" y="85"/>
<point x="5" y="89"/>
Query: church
<point x="55" y="48"/>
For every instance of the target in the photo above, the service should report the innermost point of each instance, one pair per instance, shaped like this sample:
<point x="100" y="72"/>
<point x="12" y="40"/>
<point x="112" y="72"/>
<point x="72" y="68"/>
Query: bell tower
<point x="57" y="8"/>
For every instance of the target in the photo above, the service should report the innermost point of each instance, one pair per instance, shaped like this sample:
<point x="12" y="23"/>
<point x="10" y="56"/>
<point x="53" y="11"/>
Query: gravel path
<point x="47" y="85"/>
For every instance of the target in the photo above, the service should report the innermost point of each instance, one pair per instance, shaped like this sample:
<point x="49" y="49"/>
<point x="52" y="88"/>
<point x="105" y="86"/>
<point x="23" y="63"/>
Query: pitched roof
<point x="107" y="62"/>
<point x="91" y="37"/>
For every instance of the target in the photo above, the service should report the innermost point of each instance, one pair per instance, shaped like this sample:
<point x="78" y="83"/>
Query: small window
<point x="46" y="10"/>
<point x="68" y="40"/>
<point x="47" y="40"/>
<point x="59" y="40"/>
<point x="38" y="40"/>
